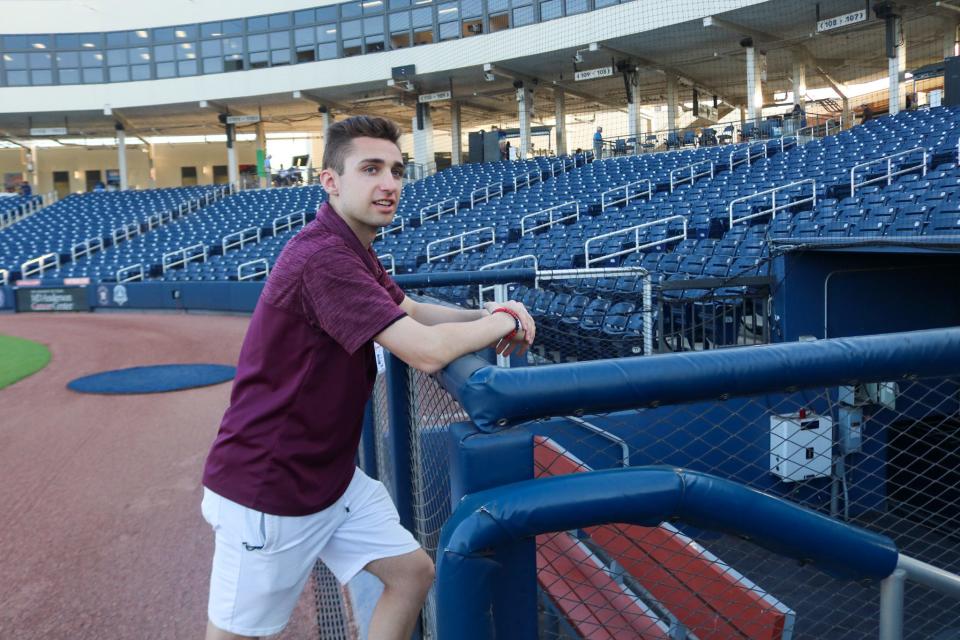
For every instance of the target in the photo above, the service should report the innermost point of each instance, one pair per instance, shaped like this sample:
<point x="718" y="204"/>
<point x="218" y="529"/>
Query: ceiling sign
<point x="593" y="74"/>
<point x="842" y="21"/>
<point x="243" y="119"/>
<point x="434" y="97"/>
<point x="49" y="131"/>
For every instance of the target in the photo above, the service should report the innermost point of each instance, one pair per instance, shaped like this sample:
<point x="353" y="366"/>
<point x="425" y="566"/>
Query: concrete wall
<point x="168" y="159"/>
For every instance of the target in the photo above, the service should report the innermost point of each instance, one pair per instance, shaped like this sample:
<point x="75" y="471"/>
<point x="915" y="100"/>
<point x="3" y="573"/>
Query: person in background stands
<point x="598" y="144"/>
<point x="281" y="489"/>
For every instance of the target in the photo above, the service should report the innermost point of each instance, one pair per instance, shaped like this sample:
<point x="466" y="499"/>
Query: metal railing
<point x="892" y="591"/>
<point x="749" y="157"/>
<point x="261" y="268"/>
<point x="565" y="164"/>
<point x="637" y="244"/>
<point x="40" y="264"/>
<point x="128" y="231"/>
<point x="462" y="241"/>
<point x="627" y="196"/>
<point x="524" y="230"/>
<point x="85" y="248"/>
<point x="693" y="174"/>
<point x="184" y="256"/>
<point x="437" y="209"/>
<point x="392" y="269"/>
<point x="289" y="221"/>
<point x="483" y="289"/>
<point x="527" y="179"/>
<point x="240" y="239"/>
<point x="397" y="227"/>
<point x="890" y="172"/>
<point x="831" y="127"/>
<point x="774" y="207"/>
<point x="488" y="192"/>
<point x="133" y="273"/>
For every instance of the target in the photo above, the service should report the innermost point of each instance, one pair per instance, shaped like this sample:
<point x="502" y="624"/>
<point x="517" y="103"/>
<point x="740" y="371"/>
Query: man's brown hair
<point x="340" y="136"/>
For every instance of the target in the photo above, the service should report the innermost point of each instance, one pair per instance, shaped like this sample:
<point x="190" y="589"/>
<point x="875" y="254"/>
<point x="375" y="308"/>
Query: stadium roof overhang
<point x="704" y="54"/>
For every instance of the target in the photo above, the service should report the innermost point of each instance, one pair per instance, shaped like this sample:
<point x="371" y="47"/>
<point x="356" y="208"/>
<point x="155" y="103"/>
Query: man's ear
<point x="330" y="182"/>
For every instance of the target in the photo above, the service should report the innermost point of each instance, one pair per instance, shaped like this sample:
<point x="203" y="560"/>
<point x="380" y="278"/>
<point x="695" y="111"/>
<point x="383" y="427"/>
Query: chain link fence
<point x="884" y="456"/>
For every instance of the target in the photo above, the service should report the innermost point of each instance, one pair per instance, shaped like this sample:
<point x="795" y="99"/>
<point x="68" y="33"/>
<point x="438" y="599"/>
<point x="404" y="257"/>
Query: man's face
<point x="368" y="191"/>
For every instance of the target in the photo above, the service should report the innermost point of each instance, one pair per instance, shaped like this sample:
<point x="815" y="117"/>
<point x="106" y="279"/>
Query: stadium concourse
<point x="692" y="180"/>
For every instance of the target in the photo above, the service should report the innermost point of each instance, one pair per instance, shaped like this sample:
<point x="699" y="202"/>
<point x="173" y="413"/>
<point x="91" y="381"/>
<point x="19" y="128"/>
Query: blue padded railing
<point x="645" y="496"/>
<point x="489" y="394"/>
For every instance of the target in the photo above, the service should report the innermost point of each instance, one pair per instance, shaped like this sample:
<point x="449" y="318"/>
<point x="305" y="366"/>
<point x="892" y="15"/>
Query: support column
<point x="897" y="64"/>
<point x="327" y="120"/>
<point x="233" y="173"/>
<point x="673" y="99"/>
<point x="423" y="139"/>
<point x="634" y="119"/>
<point x="28" y="158"/>
<point x="264" y="177"/>
<point x="456" y="141"/>
<point x="525" y="108"/>
<point x="799" y="79"/>
<point x="950" y="40"/>
<point x="754" y="85"/>
<point x="560" y="106"/>
<point x="122" y="155"/>
<point x="151" y="167"/>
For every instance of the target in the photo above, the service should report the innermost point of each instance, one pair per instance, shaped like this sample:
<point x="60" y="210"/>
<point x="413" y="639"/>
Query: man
<point x="280" y="486"/>
<point x="598" y="144"/>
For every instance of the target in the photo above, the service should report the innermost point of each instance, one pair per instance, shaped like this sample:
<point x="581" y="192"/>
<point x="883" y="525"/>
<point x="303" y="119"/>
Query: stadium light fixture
<point x="39" y="45"/>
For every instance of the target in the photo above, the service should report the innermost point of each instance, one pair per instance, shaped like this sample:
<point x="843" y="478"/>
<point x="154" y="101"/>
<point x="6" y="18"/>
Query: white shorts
<point x="261" y="562"/>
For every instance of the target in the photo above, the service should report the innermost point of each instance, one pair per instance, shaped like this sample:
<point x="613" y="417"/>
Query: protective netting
<point x="432" y="411"/>
<point x="333" y="616"/>
<point x="881" y="455"/>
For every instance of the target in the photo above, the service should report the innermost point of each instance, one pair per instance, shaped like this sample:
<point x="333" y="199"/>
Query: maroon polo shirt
<point x="288" y="441"/>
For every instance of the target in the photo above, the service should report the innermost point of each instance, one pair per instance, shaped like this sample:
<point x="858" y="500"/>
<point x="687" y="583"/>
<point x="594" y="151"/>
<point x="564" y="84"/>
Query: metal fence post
<point x="368" y="443"/>
<point x="891" y="605"/>
<point x="398" y="441"/>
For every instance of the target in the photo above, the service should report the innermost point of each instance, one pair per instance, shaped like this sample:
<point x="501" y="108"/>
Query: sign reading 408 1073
<point x="842" y="21"/>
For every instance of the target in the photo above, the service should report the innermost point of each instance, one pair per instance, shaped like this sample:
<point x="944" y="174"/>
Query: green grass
<point x="20" y="358"/>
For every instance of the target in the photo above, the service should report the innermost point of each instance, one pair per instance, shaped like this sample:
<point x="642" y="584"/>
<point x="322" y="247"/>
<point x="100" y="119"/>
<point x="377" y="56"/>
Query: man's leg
<point x="213" y="633"/>
<point x="406" y="581"/>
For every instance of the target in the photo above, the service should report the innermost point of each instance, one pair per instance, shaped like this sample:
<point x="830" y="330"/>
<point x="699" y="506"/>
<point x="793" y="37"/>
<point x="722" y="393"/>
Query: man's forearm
<point x="433" y="314"/>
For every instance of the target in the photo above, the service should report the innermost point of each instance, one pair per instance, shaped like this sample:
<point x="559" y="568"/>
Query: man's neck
<point x="364" y="233"/>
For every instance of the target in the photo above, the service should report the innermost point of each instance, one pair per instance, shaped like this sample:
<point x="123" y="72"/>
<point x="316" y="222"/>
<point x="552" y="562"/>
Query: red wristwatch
<point x="516" y="318"/>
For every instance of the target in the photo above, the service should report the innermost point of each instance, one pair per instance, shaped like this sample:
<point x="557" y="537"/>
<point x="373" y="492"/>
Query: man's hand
<point x="522" y="340"/>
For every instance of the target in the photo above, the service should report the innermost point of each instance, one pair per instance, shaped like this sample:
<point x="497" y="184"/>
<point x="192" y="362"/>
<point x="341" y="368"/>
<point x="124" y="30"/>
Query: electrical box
<point x="850" y="429"/>
<point x="801" y="447"/>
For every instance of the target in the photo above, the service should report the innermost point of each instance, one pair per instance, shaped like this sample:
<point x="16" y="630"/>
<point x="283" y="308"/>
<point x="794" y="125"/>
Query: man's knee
<point x="410" y="571"/>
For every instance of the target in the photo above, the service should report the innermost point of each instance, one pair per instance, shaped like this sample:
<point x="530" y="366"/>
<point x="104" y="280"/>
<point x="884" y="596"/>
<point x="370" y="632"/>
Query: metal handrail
<point x="392" y="269"/>
<point x="749" y="157"/>
<point x="575" y="216"/>
<point x="488" y="191"/>
<point x="184" y="255"/>
<point x="393" y="228"/>
<point x="283" y="223"/>
<point x="439" y="206"/>
<point x="85" y="247"/>
<point x="461" y="237"/>
<point x="125" y="232"/>
<point x="888" y="176"/>
<point x="135" y="269"/>
<point x="892" y="591"/>
<point x="566" y="163"/>
<point x="239" y="239"/>
<point x="528" y="178"/>
<point x="636" y="239"/>
<point x="626" y="194"/>
<point x="250" y="276"/>
<point x="42" y="263"/>
<point x="773" y="201"/>
<point x="499" y="263"/>
<point x="693" y="176"/>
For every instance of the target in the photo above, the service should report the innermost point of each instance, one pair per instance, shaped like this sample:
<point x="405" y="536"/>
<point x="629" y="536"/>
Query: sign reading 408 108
<point x="842" y="21"/>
